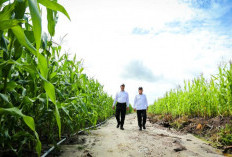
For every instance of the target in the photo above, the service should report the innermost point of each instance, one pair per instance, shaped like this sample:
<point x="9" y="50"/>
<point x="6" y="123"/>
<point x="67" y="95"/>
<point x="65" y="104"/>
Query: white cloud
<point x="136" y="70"/>
<point x="101" y="32"/>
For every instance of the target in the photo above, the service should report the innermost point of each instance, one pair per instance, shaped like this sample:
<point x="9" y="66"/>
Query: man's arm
<point x="115" y="100"/>
<point x="135" y="101"/>
<point x="146" y="101"/>
<point x="127" y="100"/>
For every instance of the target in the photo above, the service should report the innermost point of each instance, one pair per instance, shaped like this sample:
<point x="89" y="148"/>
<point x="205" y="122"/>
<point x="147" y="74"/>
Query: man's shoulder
<point x="137" y="95"/>
<point x="122" y="92"/>
<point x="143" y="95"/>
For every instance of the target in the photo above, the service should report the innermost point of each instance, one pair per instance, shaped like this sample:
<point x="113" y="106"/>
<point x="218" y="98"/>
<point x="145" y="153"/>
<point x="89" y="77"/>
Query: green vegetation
<point x="43" y="93"/>
<point x="201" y="107"/>
<point x="225" y="135"/>
<point x="200" y="97"/>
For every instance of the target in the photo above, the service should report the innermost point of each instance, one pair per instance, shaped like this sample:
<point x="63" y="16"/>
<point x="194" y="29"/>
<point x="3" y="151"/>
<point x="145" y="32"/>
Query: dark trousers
<point x="120" y="109"/>
<point x="142" y="116"/>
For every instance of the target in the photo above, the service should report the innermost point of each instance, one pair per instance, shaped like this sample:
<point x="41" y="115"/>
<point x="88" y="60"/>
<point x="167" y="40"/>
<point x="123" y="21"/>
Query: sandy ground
<point x="108" y="141"/>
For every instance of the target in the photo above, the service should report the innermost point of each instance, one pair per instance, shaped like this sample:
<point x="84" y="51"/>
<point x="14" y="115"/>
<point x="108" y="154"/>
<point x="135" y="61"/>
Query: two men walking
<point x="140" y="105"/>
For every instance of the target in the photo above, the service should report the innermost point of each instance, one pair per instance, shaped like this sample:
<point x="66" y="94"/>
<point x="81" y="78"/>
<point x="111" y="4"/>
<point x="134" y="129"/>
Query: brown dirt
<point x="206" y="128"/>
<point x="154" y="141"/>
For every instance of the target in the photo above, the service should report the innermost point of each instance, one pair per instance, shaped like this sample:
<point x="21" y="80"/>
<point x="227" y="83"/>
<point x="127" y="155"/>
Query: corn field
<point x="44" y="94"/>
<point x="199" y="97"/>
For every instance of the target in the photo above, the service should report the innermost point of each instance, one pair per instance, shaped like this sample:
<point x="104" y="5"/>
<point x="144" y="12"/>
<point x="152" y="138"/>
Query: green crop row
<point x="43" y="94"/>
<point x="200" y="97"/>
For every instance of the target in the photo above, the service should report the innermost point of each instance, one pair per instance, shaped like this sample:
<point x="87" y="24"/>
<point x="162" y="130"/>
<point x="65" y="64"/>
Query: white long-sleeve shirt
<point x="140" y="102"/>
<point x="122" y="97"/>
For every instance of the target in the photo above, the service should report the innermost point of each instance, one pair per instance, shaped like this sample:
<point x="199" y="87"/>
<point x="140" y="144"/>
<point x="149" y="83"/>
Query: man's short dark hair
<point x="123" y="85"/>
<point x="140" y="88"/>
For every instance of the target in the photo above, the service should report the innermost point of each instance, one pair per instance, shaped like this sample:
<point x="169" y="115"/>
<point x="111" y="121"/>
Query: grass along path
<point x="154" y="141"/>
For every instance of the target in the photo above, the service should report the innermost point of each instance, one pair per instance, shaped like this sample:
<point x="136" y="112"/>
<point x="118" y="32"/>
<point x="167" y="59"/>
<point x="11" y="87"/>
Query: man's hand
<point x="113" y="107"/>
<point x="134" y="109"/>
<point x="127" y="108"/>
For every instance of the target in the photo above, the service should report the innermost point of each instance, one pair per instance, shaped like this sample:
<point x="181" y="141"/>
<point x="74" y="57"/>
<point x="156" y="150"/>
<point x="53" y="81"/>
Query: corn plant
<point x="199" y="97"/>
<point x="43" y="93"/>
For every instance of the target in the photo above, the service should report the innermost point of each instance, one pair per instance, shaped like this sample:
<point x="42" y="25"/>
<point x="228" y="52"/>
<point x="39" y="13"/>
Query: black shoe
<point x="117" y="126"/>
<point x="121" y="128"/>
<point x="144" y="127"/>
<point x="140" y="128"/>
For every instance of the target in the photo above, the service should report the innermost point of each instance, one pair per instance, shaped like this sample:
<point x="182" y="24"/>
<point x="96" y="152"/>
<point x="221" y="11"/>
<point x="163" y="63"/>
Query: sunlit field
<point x="199" y="97"/>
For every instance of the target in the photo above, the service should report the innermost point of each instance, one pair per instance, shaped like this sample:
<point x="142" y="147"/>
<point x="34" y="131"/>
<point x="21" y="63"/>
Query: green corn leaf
<point x="36" y="20"/>
<point x="18" y="50"/>
<point x="30" y="36"/>
<point x="45" y="42"/>
<point x="51" y="22"/>
<point x="57" y="114"/>
<point x="22" y="39"/>
<point x="50" y="90"/>
<point x="54" y="6"/>
<point x="12" y="85"/>
<point x="53" y="75"/>
<point x="66" y="112"/>
<point x="29" y="68"/>
<point x="38" y="146"/>
<point x="20" y="8"/>
<point x="27" y="119"/>
<point x="30" y="122"/>
<point x="42" y="64"/>
<point x="6" y="13"/>
<point x="15" y="111"/>
<point x="5" y="98"/>
<point x="6" y="24"/>
<point x="8" y="62"/>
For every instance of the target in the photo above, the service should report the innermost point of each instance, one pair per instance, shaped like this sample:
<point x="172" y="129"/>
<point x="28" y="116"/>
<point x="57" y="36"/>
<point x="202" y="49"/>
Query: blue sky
<point x="156" y="44"/>
<point x="214" y="16"/>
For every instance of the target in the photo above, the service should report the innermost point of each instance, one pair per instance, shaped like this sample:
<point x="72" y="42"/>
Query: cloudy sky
<point x="151" y="43"/>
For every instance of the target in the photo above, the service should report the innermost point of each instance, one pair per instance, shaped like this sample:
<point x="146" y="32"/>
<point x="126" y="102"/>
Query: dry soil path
<point x="108" y="141"/>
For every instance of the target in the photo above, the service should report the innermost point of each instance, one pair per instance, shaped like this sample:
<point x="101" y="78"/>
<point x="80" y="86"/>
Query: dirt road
<point x="108" y="141"/>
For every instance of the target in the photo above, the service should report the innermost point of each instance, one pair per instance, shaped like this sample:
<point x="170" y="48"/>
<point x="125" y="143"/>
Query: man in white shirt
<point x="122" y="99"/>
<point x="141" y="105"/>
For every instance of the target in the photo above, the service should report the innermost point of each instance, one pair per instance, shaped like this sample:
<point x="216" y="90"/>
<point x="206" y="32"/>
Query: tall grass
<point x="199" y="97"/>
<point x="43" y="94"/>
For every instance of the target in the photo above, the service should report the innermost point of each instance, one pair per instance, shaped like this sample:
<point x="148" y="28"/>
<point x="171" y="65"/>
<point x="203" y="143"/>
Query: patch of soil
<point x="74" y="140"/>
<point x="207" y="128"/>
